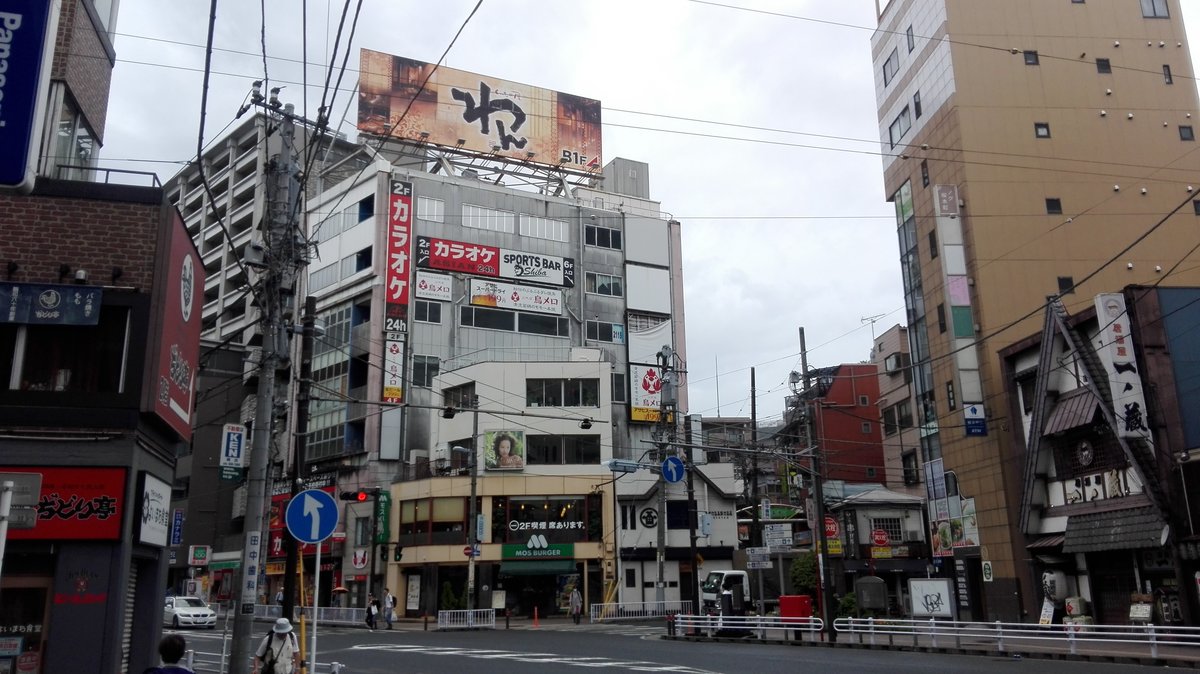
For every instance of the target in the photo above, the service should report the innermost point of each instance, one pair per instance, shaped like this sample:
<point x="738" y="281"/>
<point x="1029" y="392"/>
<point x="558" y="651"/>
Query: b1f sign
<point x="27" y="30"/>
<point x="233" y="446"/>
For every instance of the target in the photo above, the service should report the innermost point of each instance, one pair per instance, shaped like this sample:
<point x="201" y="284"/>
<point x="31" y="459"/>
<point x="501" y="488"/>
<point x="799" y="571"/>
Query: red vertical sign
<point x="399" y="255"/>
<point x="180" y="290"/>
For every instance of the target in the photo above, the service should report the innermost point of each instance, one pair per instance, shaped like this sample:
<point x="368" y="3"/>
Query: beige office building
<point x="1032" y="148"/>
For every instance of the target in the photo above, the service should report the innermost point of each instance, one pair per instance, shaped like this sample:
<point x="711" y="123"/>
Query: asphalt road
<point x="560" y="646"/>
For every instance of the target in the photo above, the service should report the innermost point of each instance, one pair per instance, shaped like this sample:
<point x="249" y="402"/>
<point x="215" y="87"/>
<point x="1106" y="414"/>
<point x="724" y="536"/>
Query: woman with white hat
<point x="279" y="652"/>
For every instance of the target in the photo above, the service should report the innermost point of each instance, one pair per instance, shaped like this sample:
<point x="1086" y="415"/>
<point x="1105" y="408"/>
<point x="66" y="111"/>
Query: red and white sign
<point x="486" y="293"/>
<point x="1120" y="361"/>
<point x="467" y="551"/>
<point x="433" y="287"/>
<point x="880" y="537"/>
<point x="359" y="559"/>
<point x="832" y="530"/>
<point x="399" y="252"/>
<point x="481" y="260"/>
<point x="645" y="392"/>
<point x="180" y="283"/>
<point x="76" y="504"/>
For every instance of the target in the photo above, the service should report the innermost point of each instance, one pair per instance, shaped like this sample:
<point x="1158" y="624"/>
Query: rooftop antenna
<point x="871" y="320"/>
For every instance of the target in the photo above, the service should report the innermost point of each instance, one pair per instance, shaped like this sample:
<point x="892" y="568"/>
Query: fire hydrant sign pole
<point x="311" y="517"/>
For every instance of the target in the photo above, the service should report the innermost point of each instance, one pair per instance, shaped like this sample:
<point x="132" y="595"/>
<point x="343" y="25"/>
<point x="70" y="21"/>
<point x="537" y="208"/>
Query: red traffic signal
<point x="361" y="496"/>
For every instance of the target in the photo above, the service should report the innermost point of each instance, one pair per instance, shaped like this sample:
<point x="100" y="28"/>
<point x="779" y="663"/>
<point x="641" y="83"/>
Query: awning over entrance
<point x="530" y="567"/>
<point x="1117" y="530"/>
<point x="1046" y="542"/>
<point x="1074" y="409"/>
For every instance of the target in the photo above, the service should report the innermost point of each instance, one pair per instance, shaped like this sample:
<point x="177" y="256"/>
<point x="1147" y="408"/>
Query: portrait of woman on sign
<point x="505" y="450"/>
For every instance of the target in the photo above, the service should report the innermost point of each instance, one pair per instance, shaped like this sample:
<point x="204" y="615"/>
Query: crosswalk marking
<point x="574" y="661"/>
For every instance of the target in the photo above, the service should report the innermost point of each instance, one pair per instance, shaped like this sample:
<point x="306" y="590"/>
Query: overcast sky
<point x="784" y="224"/>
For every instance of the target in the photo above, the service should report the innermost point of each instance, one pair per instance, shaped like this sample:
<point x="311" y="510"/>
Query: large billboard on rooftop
<point x="407" y="99"/>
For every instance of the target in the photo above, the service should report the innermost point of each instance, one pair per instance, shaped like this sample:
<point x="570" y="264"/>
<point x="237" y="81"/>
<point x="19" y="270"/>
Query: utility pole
<point x="665" y="401"/>
<point x="756" y="523"/>
<point x="694" y="594"/>
<point x="279" y="258"/>
<point x="303" y="393"/>
<point x="473" y="509"/>
<point x="809" y="405"/>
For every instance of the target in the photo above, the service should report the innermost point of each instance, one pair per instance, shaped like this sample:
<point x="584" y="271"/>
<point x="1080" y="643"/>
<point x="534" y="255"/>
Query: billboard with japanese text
<point x="407" y="99"/>
<point x="76" y="504"/>
<point x="398" y="262"/>
<point x="488" y="293"/>
<point x="483" y="260"/>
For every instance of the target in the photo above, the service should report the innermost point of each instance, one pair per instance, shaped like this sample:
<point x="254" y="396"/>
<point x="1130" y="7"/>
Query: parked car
<point x="188" y="612"/>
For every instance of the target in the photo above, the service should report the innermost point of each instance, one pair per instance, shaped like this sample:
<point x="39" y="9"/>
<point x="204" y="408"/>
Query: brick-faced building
<point x="99" y="343"/>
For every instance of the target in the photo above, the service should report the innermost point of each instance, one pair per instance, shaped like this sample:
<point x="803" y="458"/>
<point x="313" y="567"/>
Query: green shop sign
<point x="383" y="520"/>
<point x="537" y="548"/>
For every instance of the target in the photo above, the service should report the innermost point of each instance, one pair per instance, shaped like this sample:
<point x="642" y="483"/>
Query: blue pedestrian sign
<point x="311" y="516"/>
<point x="672" y="469"/>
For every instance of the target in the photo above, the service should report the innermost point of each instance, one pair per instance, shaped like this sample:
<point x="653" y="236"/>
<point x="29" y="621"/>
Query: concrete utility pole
<point x="473" y="509"/>
<point x="818" y="493"/>
<point x="279" y="261"/>
<point x="666" y="401"/>
<point x="756" y="521"/>
<point x="303" y="393"/>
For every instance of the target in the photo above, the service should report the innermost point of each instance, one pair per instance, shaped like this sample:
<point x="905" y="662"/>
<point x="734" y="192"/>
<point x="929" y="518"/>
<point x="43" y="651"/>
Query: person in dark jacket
<point x="171" y="649"/>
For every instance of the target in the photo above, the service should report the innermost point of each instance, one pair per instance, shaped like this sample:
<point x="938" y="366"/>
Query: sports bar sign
<point x="412" y="100"/>
<point x="483" y="260"/>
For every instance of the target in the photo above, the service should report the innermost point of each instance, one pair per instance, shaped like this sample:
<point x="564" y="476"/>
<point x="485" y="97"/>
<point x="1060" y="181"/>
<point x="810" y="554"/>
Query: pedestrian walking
<point x="389" y="605"/>
<point x="279" y="597"/>
<point x="279" y="652"/>
<point x="372" y="610"/>
<point x="576" y="604"/>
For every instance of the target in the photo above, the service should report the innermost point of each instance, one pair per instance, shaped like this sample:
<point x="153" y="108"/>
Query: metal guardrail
<point x="646" y="610"/>
<point x="759" y="627"/>
<point x="1153" y="641"/>
<point x="467" y="619"/>
<point x="326" y="615"/>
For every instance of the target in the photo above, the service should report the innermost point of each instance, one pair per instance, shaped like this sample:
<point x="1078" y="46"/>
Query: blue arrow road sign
<point x="672" y="469"/>
<point x="311" y="516"/>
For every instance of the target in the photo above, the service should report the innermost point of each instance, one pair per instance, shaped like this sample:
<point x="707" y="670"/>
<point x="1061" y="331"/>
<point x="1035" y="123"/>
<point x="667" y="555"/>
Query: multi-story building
<point x="901" y="442"/>
<point x="1022" y="163"/>
<point x="99" y="342"/>
<point x="485" y="304"/>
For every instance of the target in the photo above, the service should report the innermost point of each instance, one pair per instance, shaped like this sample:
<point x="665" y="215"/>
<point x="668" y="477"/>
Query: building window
<point x="543" y="228"/>
<point x="541" y="324"/>
<point x="1041" y="129"/>
<point x="362" y="531"/>
<point x="1196" y="206"/>
<point x="558" y="450"/>
<point x="864" y="401"/>
<point x="899" y="127"/>
<point x="74" y="145"/>
<point x="912" y="42"/>
<point x="889" y="421"/>
<point x="870" y="471"/>
<point x="461" y="396"/>
<point x="1066" y="285"/>
<point x="1167" y="75"/>
<point x="427" y="312"/>
<point x="892" y="525"/>
<point x="641" y="322"/>
<point x="631" y="578"/>
<point x="924" y="173"/>
<point x="941" y="318"/>
<point x="1155" y="9"/>
<point x="490" y="219"/>
<point x="933" y="247"/>
<point x="352" y="264"/>
<point x="1186" y="133"/>
<point x="433" y="210"/>
<point x="562" y="393"/>
<point x="488" y="319"/>
<point x="951" y="401"/>
<point x="425" y="368"/>
<point x="620" y="390"/>
<point x="323" y="277"/>
<point x="330" y="372"/>
<point x="908" y="463"/>
<point x="1031" y="58"/>
<point x="1053" y="206"/>
<point x="67" y="358"/>
<point x="602" y="331"/>
<point x="890" y="67"/>
<point x="1103" y="66"/>
<point x="629" y="518"/>
<point x="602" y="237"/>
<point x="603" y="284"/>
<point x="866" y="428"/>
<point x="917" y="105"/>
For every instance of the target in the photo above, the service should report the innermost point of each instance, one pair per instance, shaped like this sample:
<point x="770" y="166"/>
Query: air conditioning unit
<point x="418" y="456"/>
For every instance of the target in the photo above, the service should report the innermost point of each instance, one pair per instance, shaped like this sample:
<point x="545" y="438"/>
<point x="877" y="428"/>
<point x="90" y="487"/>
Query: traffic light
<point x="383" y="552"/>
<point x="360" y="496"/>
<point x="398" y="553"/>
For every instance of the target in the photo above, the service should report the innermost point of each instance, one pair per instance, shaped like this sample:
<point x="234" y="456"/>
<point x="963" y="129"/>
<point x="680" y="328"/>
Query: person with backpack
<point x="171" y="649"/>
<point x="279" y="652"/>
